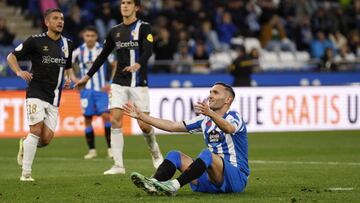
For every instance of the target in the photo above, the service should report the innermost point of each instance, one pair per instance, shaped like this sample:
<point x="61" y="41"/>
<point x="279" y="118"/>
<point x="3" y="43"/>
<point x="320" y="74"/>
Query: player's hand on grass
<point x="67" y="83"/>
<point x="203" y="108"/>
<point x="82" y="82"/>
<point x="131" y="110"/>
<point x="132" y="68"/>
<point x="25" y="75"/>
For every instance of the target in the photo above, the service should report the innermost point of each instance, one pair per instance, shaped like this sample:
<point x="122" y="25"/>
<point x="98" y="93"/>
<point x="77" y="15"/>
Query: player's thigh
<point x="51" y="117"/>
<point x="146" y="128"/>
<point x="101" y="100"/>
<point x="216" y="170"/>
<point x="35" y="109"/>
<point x="140" y="97"/>
<point x="87" y="102"/>
<point x="118" y="96"/>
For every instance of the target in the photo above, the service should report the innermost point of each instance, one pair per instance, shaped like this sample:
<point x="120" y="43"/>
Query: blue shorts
<point x="234" y="181"/>
<point x="94" y="102"/>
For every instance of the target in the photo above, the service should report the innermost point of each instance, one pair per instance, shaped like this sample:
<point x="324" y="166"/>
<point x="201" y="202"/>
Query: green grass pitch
<point x="285" y="167"/>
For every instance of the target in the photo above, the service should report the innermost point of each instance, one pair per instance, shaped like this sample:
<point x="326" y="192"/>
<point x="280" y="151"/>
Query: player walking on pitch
<point x="133" y="44"/>
<point x="50" y="54"/>
<point x="94" y="98"/>
<point x="221" y="167"/>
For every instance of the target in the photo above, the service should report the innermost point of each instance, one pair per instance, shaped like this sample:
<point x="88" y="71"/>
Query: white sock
<point x="30" y="145"/>
<point x="176" y="184"/>
<point x="117" y="146"/>
<point x="150" y="139"/>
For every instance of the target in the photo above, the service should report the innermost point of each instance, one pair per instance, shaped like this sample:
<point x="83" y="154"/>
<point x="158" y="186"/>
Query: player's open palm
<point x="25" y="75"/>
<point x="131" y="110"/>
<point x="203" y="108"/>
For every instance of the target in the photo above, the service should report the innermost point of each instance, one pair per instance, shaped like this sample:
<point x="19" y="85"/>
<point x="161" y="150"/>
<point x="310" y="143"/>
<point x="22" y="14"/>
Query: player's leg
<point x="150" y="139"/>
<point x="118" y="97"/>
<point x="27" y="149"/>
<point x="90" y="138"/>
<point x="140" y="97"/>
<point x="117" y="142"/>
<point x="107" y="125"/>
<point x="101" y="101"/>
<point x="88" y="108"/>
<point x="173" y="160"/>
<point x="206" y="162"/>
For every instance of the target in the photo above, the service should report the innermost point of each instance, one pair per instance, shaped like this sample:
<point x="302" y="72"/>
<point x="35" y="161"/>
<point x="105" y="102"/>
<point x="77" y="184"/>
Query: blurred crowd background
<point x="237" y="37"/>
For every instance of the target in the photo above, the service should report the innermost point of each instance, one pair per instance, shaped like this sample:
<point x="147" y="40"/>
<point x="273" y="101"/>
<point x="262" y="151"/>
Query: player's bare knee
<point x="36" y="130"/>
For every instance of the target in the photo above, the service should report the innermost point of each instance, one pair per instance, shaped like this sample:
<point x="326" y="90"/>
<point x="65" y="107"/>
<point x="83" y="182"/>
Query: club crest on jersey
<point x="133" y="33"/>
<point x="150" y="38"/>
<point x="214" y="136"/>
<point x="45" y="48"/>
<point x="65" y="51"/>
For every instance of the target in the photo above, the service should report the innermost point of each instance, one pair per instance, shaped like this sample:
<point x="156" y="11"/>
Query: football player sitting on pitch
<point x="221" y="167"/>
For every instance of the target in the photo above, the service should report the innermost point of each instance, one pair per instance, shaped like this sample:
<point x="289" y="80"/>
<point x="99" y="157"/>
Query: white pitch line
<point x="341" y="188"/>
<point x="305" y="162"/>
<point x="250" y="161"/>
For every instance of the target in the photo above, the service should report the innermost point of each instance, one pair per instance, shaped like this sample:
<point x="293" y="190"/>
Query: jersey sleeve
<point x="69" y="60"/>
<point x="194" y="125"/>
<point x="25" y="49"/>
<point x="147" y="41"/>
<point x="75" y="55"/>
<point x="235" y="120"/>
<point x="109" y="45"/>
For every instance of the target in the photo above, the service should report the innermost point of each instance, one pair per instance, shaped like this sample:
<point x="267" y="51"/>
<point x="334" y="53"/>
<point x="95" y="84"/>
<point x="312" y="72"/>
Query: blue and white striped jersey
<point x="232" y="147"/>
<point x="85" y="57"/>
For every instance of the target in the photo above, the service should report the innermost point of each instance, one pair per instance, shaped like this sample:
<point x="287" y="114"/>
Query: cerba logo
<point x="50" y="60"/>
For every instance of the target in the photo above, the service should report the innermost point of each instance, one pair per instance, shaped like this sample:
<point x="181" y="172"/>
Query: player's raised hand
<point x="67" y="83"/>
<point x="203" y="108"/>
<point x="25" y="75"/>
<point x="131" y="110"/>
<point x="132" y="68"/>
<point x="82" y="82"/>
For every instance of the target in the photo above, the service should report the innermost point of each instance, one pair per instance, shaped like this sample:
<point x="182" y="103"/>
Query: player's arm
<point x="224" y="125"/>
<point x="162" y="124"/>
<point x="69" y="72"/>
<point x="146" y="40"/>
<point x="20" y="52"/>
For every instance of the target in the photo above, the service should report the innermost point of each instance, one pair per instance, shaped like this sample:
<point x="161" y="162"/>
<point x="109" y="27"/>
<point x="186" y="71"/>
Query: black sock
<point x="107" y="136"/>
<point x="90" y="139"/>
<point x="165" y="171"/>
<point x="194" y="171"/>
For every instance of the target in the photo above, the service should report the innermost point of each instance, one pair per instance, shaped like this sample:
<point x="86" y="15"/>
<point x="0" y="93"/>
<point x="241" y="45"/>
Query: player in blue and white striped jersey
<point x="94" y="97"/>
<point x="221" y="167"/>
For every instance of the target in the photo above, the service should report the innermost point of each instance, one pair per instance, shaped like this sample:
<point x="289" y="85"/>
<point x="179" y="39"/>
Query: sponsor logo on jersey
<point x="129" y="44"/>
<point x="117" y="35"/>
<point x="150" y="38"/>
<point x="45" y="48"/>
<point x="50" y="60"/>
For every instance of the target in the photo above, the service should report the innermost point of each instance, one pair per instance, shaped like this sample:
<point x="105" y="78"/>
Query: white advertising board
<point x="269" y="109"/>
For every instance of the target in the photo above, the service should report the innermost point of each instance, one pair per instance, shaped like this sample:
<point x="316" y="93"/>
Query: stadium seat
<point x="220" y="61"/>
<point x="251" y="43"/>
